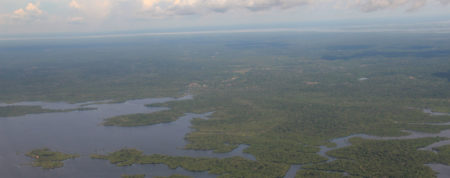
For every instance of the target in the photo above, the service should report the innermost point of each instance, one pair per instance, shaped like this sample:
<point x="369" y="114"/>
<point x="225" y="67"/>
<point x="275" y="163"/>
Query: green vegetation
<point x="142" y="119"/>
<point x="445" y="75"/>
<point x="318" y="174"/>
<point x="174" y="176"/>
<point x="443" y="154"/>
<point x="79" y="109"/>
<point x="11" y="111"/>
<point x="133" y="176"/>
<point x="227" y="167"/>
<point x="48" y="159"/>
<point x="375" y="158"/>
<point x="288" y="130"/>
<point x="271" y="91"/>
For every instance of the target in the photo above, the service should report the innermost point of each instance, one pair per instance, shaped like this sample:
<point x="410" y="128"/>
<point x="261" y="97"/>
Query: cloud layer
<point x="74" y="12"/>
<point x="375" y="5"/>
<point x="158" y="8"/>
<point x="182" y="7"/>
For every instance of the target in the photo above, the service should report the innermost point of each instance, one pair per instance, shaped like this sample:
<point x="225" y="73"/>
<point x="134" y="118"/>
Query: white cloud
<point x="144" y="14"/>
<point x="76" y="20"/>
<point x="376" y="5"/>
<point x="185" y="7"/>
<point x="30" y="13"/>
<point x="147" y="4"/>
<point x="101" y="9"/>
<point x="92" y="8"/>
<point x="33" y="8"/>
<point x="74" y="4"/>
<point x="19" y="13"/>
<point x="416" y="5"/>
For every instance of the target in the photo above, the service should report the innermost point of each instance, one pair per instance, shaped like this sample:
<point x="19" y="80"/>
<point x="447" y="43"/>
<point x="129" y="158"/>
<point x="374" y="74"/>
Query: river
<point x="81" y="132"/>
<point x="341" y="142"/>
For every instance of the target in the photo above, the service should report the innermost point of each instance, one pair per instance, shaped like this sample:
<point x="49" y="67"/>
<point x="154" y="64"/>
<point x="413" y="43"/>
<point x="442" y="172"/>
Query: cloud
<point x="20" y="13"/>
<point x="92" y="8"/>
<point x="33" y="8"/>
<point x="376" y="5"/>
<point x="74" y="4"/>
<point x="188" y="7"/>
<point x="117" y="12"/>
<point x="30" y="13"/>
<point x="147" y="4"/>
<point x="256" y="5"/>
<point x="76" y="20"/>
<point x="416" y="5"/>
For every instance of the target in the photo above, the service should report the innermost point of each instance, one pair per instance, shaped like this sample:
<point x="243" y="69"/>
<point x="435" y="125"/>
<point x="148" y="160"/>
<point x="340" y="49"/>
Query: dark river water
<point x="81" y="132"/>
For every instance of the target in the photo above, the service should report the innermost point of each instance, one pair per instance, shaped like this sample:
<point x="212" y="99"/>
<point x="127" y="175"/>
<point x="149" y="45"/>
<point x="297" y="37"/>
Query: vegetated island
<point x="381" y="158"/>
<point x="227" y="167"/>
<point x="48" y="159"/>
<point x="12" y="111"/>
<point x="133" y="176"/>
<point x="174" y="176"/>
<point x="444" y="152"/>
<point x="133" y="120"/>
<point x="282" y="101"/>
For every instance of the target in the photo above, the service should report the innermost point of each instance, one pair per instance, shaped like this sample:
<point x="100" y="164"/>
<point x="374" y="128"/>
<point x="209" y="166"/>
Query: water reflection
<point x="81" y="132"/>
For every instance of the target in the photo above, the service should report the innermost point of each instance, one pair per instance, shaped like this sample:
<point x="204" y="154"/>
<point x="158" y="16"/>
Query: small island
<point x="174" y="176"/>
<point x="133" y="120"/>
<point x="143" y="176"/>
<point x="14" y="111"/>
<point x="133" y="176"/>
<point x="225" y="167"/>
<point x="48" y="159"/>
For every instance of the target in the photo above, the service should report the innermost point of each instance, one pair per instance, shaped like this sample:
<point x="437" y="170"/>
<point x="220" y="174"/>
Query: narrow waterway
<point x="443" y="170"/>
<point x="81" y="132"/>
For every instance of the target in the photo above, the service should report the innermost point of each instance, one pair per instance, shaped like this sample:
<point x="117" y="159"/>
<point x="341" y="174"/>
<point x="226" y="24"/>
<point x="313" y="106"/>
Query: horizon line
<point x="250" y="30"/>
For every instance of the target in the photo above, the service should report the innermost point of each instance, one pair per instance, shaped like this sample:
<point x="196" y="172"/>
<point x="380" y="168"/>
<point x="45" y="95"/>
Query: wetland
<point x="222" y="105"/>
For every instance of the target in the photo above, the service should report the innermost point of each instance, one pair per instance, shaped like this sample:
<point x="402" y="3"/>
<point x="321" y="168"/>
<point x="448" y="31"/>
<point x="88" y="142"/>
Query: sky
<point x="98" y="16"/>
